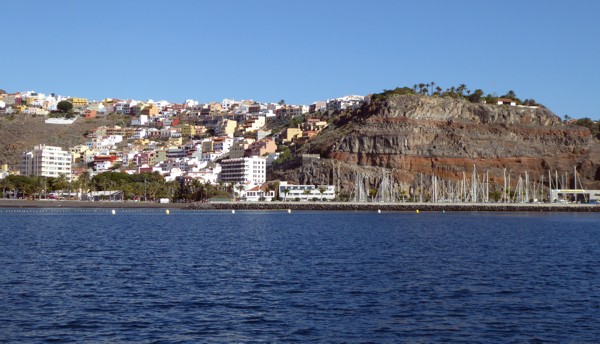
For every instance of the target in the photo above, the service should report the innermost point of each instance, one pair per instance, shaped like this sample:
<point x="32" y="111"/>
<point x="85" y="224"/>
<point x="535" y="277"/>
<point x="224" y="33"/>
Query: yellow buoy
<point x="167" y="211"/>
<point x="417" y="211"/>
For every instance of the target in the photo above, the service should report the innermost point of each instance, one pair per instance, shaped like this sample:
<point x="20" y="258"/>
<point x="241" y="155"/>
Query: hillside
<point x="400" y="137"/>
<point x="21" y="132"/>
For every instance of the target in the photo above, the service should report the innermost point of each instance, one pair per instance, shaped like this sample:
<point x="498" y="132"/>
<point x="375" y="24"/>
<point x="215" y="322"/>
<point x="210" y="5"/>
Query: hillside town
<point x="228" y="142"/>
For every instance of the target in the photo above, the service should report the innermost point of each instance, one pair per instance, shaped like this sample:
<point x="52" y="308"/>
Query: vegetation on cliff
<point x="458" y="92"/>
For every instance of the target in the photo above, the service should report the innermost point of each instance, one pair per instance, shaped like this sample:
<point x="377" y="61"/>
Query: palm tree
<point x="84" y="182"/>
<point x="285" y="192"/>
<point x="402" y="193"/>
<point x="41" y="185"/>
<point x="510" y="94"/>
<point x="61" y="183"/>
<point x="6" y="184"/>
<point x="461" y="89"/>
<point x="322" y="191"/>
<point x="306" y="192"/>
<point x="372" y="194"/>
<point x="240" y="188"/>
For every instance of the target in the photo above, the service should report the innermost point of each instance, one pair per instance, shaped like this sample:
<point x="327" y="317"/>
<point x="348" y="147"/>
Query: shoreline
<point x="320" y="206"/>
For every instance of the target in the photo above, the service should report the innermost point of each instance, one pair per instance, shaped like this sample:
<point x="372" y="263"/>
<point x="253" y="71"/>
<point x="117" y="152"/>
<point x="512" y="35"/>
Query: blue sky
<point x="303" y="51"/>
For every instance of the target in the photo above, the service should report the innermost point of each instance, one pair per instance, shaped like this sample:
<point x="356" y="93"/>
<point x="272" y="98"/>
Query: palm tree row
<point x="144" y="187"/>
<point x="460" y="91"/>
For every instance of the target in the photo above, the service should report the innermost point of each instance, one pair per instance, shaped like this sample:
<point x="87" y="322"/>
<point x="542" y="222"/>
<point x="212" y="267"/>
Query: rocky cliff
<point x="404" y="137"/>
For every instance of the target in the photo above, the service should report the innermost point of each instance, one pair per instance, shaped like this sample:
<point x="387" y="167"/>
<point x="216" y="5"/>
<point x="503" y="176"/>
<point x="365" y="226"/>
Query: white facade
<point x="257" y="194"/>
<point x="46" y="161"/>
<point x="224" y="144"/>
<point x="226" y="103"/>
<point x="306" y="192"/>
<point x="142" y="120"/>
<point x="251" y="170"/>
<point x="210" y="156"/>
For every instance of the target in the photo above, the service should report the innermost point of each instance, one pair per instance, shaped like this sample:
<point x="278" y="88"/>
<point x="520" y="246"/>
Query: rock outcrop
<point x="408" y="136"/>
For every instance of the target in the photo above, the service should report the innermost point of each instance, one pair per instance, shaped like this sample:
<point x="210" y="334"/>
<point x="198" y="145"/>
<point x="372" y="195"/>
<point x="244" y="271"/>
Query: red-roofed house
<point x="507" y="101"/>
<point x="260" y="193"/>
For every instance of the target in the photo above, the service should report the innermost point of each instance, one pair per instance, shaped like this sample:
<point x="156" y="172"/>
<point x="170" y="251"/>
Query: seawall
<point x="350" y="206"/>
<point x="321" y="206"/>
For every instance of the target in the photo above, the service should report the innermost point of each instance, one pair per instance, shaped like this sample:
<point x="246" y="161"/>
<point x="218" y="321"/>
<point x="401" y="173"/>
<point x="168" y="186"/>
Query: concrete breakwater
<point x="354" y="206"/>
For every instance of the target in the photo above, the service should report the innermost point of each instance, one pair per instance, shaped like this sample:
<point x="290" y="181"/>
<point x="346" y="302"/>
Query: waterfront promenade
<point x="325" y="206"/>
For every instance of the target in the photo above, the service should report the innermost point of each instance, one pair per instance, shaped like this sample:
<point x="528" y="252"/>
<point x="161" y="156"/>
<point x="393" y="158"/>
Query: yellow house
<point x="175" y="141"/>
<point x="188" y="130"/>
<point x="141" y="142"/>
<point x="78" y="102"/>
<point x="150" y="110"/>
<point x="291" y="133"/>
<point x="229" y="127"/>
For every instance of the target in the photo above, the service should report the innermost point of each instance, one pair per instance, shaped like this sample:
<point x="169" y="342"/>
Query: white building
<point x="226" y="103"/>
<point x="259" y="193"/>
<point x="142" y="120"/>
<point x="46" y="161"/>
<point x="306" y="192"/>
<point x="210" y="156"/>
<point x="346" y="102"/>
<point x="249" y="170"/>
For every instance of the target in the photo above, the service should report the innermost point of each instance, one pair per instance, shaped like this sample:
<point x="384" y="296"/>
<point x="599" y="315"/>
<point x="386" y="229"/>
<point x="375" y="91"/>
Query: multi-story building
<point x="306" y="192"/>
<point x="289" y="134"/>
<point x="188" y="131"/>
<point x="254" y="124"/>
<point x="46" y="161"/>
<point x="122" y="107"/>
<point x="238" y="148"/>
<point x="78" y="102"/>
<point x="145" y="158"/>
<point x="263" y="147"/>
<point x="103" y="163"/>
<point x="252" y="170"/>
<point x="150" y="110"/>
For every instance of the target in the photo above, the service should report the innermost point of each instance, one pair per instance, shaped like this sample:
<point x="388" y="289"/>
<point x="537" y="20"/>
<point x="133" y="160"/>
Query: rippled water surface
<point x="145" y="276"/>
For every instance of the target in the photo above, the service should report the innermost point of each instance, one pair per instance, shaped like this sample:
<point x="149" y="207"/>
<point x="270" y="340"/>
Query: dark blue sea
<point x="333" y="277"/>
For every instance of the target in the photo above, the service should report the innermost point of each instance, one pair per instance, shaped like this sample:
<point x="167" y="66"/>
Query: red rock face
<point x="409" y="135"/>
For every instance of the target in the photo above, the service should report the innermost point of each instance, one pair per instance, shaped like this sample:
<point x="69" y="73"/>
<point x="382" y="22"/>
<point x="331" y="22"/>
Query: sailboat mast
<point x="526" y="187"/>
<point x="504" y="189"/>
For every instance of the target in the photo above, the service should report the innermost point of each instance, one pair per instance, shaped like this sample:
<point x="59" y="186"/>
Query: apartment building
<point x="46" y="161"/>
<point x="78" y="102"/>
<point x="250" y="170"/>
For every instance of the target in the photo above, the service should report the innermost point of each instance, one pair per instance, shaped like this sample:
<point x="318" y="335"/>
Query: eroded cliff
<point x="407" y="136"/>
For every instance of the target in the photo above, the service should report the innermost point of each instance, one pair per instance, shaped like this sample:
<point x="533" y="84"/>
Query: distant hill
<point x="20" y="133"/>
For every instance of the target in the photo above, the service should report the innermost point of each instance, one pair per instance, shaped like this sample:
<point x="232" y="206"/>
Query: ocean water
<point x="335" y="277"/>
